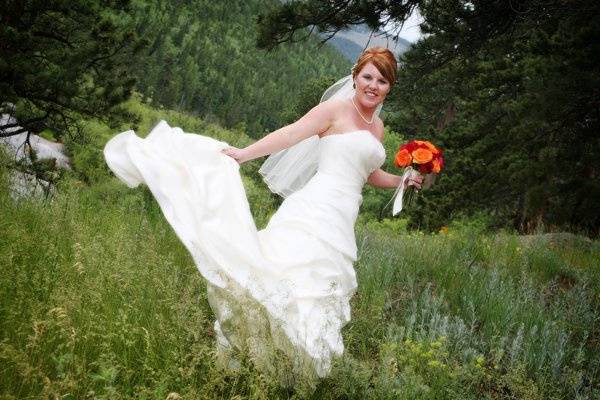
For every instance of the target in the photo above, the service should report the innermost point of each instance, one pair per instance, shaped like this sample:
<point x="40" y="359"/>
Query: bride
<point x="284" y="291"/>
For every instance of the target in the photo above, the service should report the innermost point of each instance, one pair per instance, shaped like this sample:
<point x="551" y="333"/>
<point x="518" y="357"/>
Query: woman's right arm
<point x="316" y="121"/>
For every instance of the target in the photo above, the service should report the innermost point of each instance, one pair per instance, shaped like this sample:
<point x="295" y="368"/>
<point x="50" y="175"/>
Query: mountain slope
<point x="203" y="59"/>
<point x="351" y="42"/>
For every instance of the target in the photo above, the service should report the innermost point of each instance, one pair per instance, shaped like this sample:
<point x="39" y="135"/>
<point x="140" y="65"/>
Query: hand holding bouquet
<point x="416" y="157"/>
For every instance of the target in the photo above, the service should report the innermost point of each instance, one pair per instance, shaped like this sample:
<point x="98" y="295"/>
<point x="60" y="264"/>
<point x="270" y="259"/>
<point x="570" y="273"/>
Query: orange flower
<point x="422" y="156"/>
<point x="437" y="166"/>
<point x="431" y="147"/>
<point x="403" y="158"/>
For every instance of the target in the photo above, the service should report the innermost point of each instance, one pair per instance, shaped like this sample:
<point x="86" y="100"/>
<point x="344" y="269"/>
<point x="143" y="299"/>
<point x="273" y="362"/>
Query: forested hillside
<point x="203" y="59"/>
<point x="64" y="61"/>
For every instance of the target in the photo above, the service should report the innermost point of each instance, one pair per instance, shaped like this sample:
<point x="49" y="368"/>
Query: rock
<point x="23" y="184"/>
<point x="43" y="148"/>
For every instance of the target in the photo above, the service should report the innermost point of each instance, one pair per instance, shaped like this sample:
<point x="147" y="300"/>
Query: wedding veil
<point x="288" y="170"/>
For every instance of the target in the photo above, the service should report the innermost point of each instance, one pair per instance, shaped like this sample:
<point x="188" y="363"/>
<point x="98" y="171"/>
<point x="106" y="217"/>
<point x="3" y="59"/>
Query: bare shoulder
<point x="334" y="105"/>
<point x="333" y="110"/>
<point x="319" y="119"/>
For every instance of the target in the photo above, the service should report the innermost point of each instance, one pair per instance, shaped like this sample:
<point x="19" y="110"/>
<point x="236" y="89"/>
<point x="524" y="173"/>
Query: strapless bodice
<point x="328" y="204"/>
<point x="350" y="156"/>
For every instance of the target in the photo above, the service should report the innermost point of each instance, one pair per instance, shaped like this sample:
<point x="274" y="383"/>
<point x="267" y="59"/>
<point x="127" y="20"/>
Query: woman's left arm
<point x="381" y="179"/>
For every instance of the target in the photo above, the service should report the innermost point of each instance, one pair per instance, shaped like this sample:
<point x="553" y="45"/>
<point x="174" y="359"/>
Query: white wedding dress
<point x="285" y="288"/>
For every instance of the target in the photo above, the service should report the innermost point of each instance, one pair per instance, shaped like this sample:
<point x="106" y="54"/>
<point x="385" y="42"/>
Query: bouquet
<point x="416" y="157"/>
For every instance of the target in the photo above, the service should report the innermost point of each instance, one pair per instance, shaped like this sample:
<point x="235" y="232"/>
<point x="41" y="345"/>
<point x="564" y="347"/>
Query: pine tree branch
<point x="50" y="35"/>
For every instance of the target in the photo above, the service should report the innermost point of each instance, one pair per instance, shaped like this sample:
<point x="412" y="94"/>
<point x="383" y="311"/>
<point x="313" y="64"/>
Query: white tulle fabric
<point x="287" y="286"/>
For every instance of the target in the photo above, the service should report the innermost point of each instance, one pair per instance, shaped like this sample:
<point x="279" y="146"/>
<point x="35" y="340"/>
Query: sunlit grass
<point x="100" y="300"/>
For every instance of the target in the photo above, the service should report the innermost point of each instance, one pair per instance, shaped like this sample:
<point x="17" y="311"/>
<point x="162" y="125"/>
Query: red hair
<point x="383" y="59"/>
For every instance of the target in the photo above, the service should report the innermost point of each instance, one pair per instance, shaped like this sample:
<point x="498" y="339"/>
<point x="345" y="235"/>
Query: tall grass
<point x="98" y="299"/>
<point x="495" y="311"/>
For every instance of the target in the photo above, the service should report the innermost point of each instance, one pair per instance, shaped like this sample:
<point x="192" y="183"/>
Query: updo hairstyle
<point x="383" y="59"/>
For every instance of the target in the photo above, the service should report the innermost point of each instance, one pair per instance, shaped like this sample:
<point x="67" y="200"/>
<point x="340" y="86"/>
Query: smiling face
<point x="371" y="86"/>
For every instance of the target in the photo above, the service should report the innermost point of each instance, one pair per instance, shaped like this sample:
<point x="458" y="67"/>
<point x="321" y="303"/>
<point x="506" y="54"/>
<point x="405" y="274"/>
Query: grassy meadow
<point x="99" y="300"/>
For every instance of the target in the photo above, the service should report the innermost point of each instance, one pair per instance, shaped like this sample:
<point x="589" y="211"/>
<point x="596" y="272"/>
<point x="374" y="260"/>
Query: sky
<point x="410" y="31"/>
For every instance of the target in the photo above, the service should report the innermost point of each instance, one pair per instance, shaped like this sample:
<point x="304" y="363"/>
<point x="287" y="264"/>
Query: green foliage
<point x="86" y="152"/>
<point x="392" y="226"/>
<point x="515" y="120"/>
<point x="58" y="58"/>
<point x="207" y="63"/>
<point x="309" y="96"/>
<point x="47" y="134"/>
